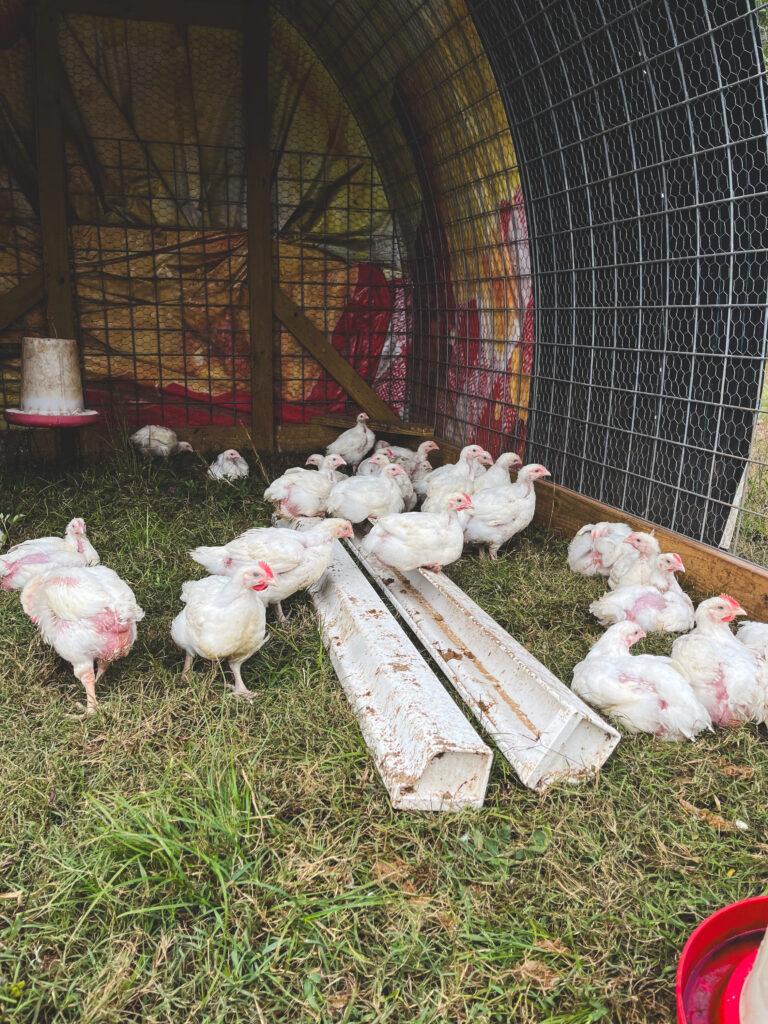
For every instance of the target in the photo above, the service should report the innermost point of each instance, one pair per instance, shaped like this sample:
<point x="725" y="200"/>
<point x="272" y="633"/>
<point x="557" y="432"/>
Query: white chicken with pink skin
<point x="159" y="442"/>
<point x="459" y="476"/>
<point x="354" y="444"/>
<point x="409" y="458"/>
<point x="596" y="546"/>
<point x="420" y="479"/>
<point x="497" y="514"/>
<point x="636" y="561"/>
<point x="297" y="558"/>
<point x="374" y="464"/>
<point x="657" y="606"/>
<point x="498" y="474"/>
<point x="419" y="539"/>
<point x="723" y="673"/>
<point x="24" y="561"/>
<point x="644" y="693"/>
<point x="754" y="636"/>
<point x="303" y="492"/>
<point x="224" y="619"/>
<point x="367" y="497"/>
<point x="230" y="465"/>
<point x="88" y="615"/>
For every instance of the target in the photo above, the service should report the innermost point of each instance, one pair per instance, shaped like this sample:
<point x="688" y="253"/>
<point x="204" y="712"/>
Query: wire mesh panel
<point x="641" y="132"/>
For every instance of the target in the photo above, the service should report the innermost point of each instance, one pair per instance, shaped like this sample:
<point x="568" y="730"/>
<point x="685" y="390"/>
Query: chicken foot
<point x="88" y="679"/>
<point x="239" y="689"/>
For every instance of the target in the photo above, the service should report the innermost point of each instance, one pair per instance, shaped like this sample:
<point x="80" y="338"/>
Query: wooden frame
<point x="19" y="299"/>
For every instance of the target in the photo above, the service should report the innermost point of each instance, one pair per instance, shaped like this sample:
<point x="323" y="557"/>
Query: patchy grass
<point x="184" y="857"/>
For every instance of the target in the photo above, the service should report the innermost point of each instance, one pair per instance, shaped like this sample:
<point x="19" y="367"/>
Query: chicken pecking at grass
<point x="224" y="619"/>
<point x="87" y="614"/>
<point x="24" y="561"/>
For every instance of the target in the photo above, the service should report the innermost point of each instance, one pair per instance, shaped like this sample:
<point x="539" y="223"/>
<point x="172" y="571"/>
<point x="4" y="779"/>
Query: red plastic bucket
<point x="716" y="960"/>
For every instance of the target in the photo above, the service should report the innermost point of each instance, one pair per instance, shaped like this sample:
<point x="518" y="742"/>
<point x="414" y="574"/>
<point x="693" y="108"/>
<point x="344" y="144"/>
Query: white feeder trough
<point x="543" y="729"/>
<point x="428" y="755"/>
<point x="51" y="387"/>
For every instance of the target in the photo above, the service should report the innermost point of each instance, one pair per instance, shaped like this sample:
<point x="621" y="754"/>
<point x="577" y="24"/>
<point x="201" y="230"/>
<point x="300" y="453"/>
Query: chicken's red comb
<point x="466" y="497"/>
<point x="730" y="600"/>
<point x="266" y="570"/>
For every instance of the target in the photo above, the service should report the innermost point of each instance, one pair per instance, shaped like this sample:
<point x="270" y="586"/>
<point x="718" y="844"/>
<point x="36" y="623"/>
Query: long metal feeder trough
<point x="428" y="755"/>
<point x="543" y="729"/>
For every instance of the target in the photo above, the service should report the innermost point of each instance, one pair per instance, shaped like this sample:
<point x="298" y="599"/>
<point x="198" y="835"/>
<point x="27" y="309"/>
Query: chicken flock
<point x="89" y="615"/>
<point x="713" y="677"/>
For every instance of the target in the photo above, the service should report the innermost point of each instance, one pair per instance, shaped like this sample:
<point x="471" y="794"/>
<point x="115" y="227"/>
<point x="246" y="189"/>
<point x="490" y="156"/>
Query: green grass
<point x="185" y="857"/>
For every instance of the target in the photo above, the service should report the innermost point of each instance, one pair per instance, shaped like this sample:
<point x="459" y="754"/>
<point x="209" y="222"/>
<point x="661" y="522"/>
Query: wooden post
<point x="51" y="175"/>
<point x="256" y="26"/>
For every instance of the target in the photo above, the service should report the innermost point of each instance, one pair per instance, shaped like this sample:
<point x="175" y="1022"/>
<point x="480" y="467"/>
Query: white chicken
<point x="754" y="635"/>
<point x="87" y="614"/>
<point x="498" y="513"/>
<point x="415" y="539"/>
<point x="458" y="476"/>
<point x="297" y="558"/>
<point x="374" y="464"/>
<point x="420" y="478"/>
<point x="225" y="618"/>
<point x="318" y="461"/>
<point x="643" y="692"/>
<point x="634" y="564"/>
<point x="498" y="474"/>
<point x="596" y="547"/>
<point x="353" y="444"/>
<point x="230" y="465"/>
<point x="657" y="606"/>
<point x="367" y="497"/>
<point x="723" y="673"/>
<point x="159" y="441"/>
<point x="409" y="458"/>
<point x="302" y="492"/>
<point x="24" y="561"/>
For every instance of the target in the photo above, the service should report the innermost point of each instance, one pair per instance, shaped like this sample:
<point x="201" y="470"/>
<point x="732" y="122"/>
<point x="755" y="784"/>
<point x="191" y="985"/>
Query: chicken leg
<point x="239" y="689"/>
<point x="187" y="666"/>
<point x="88" y="680"/>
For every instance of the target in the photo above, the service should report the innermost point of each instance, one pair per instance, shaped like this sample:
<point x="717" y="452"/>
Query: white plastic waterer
<point x="51" y="387"/>
<point x="753" y="1005"/>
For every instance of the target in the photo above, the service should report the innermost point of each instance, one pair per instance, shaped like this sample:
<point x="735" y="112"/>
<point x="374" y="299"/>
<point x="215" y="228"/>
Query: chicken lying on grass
<point x="87" y="614"/>
<point x="24" y="561"/>
<point x="224" y="620"/>
<point x="723" y="673"/>
<point x="302" y="492"/>
<point x="160" y="442"/>
<point x="635" y="562"/>
<point x="230" y="465"/>
<point x="354" y="444"/>
<point x="644" y="693"/>
<point x="415" y="539"/>
<point x="596" y="547"/>
<point x="657" y="606"/>
<point x="297" y="558"/>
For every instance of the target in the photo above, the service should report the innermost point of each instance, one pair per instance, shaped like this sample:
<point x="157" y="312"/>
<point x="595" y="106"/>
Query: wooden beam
<point x="21" y="298"/>
<point x="219" y="14"/>
<point x="258" y="173"/>
<point x="316" y="343"/>
<point x="51" y="175"/>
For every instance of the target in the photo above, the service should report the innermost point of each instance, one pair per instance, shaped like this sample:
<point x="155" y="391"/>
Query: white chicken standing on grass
<point x="419" y="539"/>
<point x="24" y="561"/>
<point x="497" y="514"/>
<point x="87" y="614"/>
<point x="498" y="474"/>
<point x="635" y="562"/>
<point x="230" y="465"/>
<point x="657" y="606"/>
<point x="367" y="497"/>
<point x="355" y="443"/>
<point x="723" y="673"/>
<point x="596" y="547"/>
<point x="297" y="558"/>
<point x="644" y="693"/>
<point x="302" y="492"/>
<point x="159" y="441"/>
<point x="224" y="619"/>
